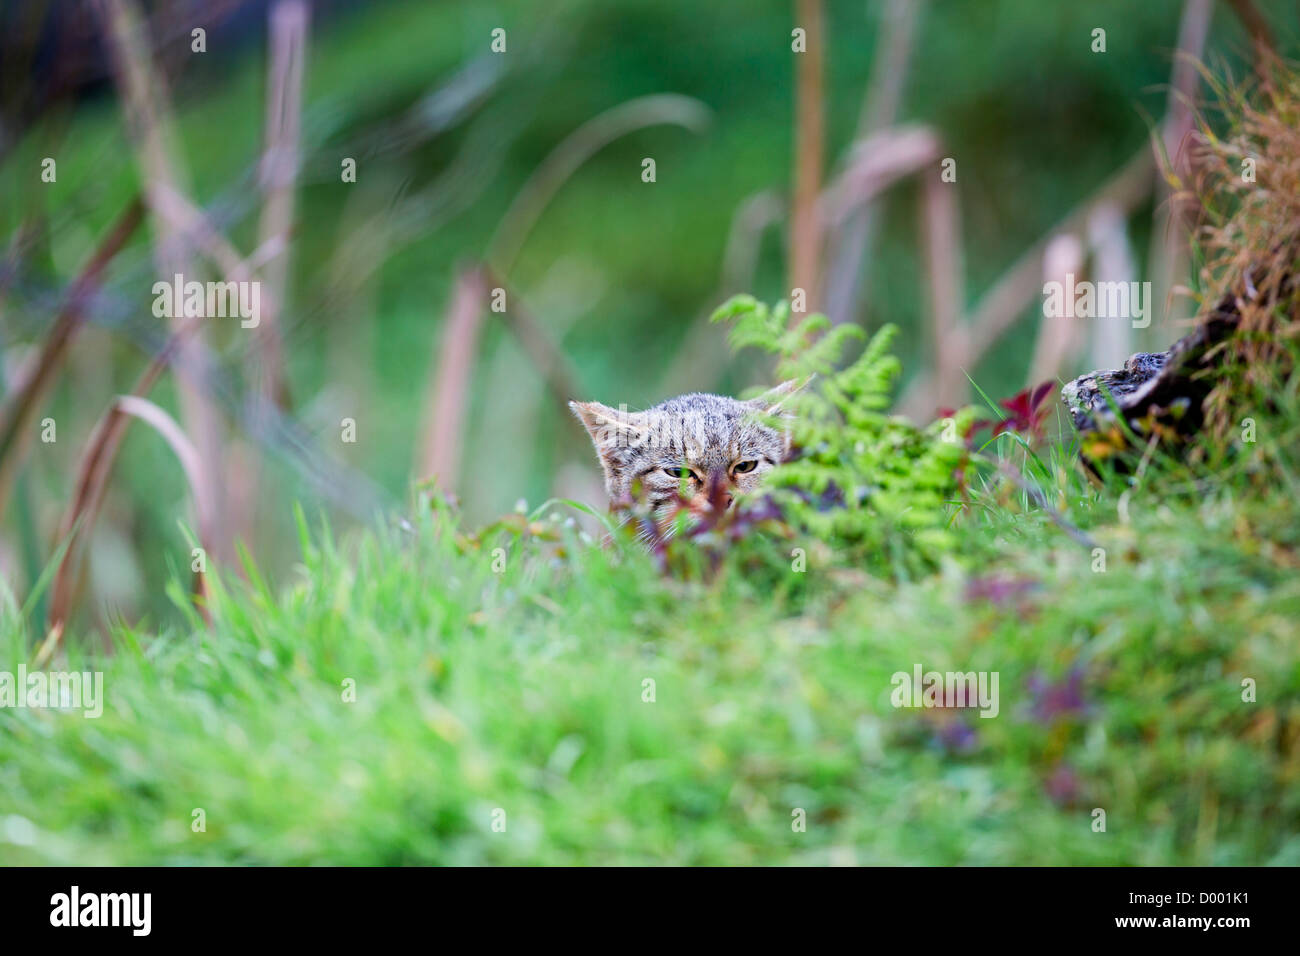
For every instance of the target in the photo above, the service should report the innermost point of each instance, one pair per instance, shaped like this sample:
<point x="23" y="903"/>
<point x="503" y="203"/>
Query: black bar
<point x="333" y="905"/>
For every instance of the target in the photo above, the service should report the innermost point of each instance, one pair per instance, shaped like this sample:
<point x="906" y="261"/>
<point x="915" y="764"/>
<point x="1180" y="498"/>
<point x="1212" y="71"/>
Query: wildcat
<point x="685" y="445"/>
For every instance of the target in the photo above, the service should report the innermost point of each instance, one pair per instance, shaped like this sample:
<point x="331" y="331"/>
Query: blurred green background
<point x="619" y="273"/>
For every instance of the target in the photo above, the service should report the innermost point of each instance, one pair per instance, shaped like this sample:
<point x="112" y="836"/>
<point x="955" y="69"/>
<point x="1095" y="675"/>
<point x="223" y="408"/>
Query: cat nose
<point x="719" y="485"/>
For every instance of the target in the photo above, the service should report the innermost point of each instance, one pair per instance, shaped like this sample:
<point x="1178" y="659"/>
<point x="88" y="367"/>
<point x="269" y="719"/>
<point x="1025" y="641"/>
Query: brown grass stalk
<point x="447" y="400"/>
<point x="96" y="466"/>
<point x="25" y="397"/>
<point x="1058" y="336"/>
<point x="1112" y="341"/>
<point x="704" y="350"/>
<point x="1172" y="227"/>
<point x="147" y="112"/>
<point x="555" y="368"/>
<point x="809" y="155"/>
<point x="279" y="171"/>
<point x="1261" y="34"/>
<point x="876" y="164"/>
<point x="846" y="279"/>
<point x="941" y="228"/>
<point x="1005" y="302"/>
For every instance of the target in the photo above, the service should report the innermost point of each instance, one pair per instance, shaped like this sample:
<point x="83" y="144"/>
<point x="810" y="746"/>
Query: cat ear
<point x="770" y="402"/>
<point x="607" y="426"/>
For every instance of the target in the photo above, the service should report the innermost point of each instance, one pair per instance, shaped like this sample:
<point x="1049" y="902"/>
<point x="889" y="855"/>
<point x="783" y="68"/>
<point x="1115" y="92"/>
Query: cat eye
<point x="744" y="466"/>
<point x="681" y="473"/>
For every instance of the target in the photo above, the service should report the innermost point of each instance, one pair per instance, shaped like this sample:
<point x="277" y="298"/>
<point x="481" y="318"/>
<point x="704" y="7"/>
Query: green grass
<point x="523" y="690"/>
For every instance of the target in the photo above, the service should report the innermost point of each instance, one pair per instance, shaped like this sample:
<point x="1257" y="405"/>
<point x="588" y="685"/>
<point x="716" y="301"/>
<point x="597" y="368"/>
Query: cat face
<point x="685" y="444"/>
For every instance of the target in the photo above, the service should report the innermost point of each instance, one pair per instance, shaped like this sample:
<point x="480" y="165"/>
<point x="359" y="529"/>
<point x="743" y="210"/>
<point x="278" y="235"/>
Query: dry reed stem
<point x="94" y="469"/>
<point x="847" y="279"/>
<point x="279" y="171"/>
<point x="147" y="112"/>
<point x="23" y="399"/>
<point x="809" y="155"/>
<point x="447" y="401"/>
<point x="941" y="229"/>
